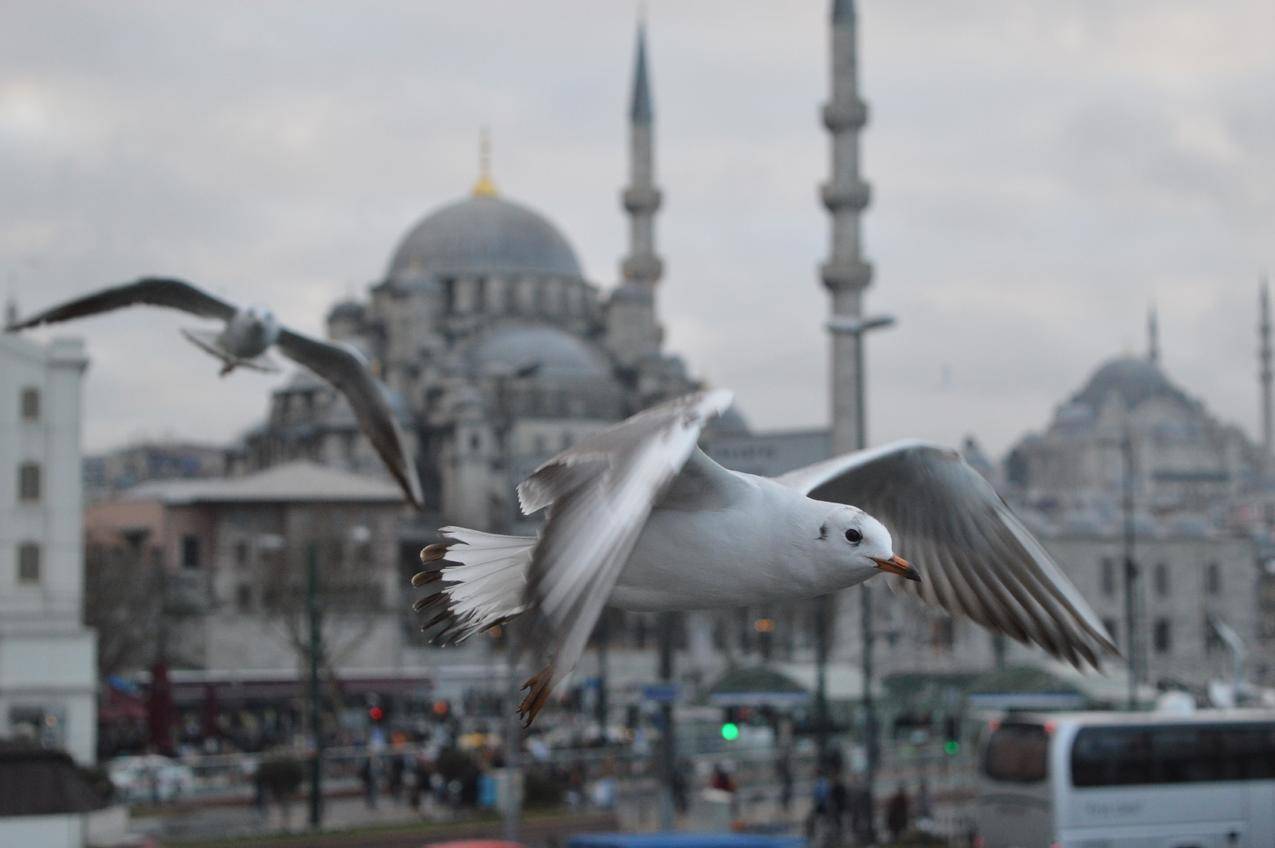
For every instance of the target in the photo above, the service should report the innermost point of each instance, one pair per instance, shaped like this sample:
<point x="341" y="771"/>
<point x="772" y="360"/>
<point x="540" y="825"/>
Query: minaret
<point x="1264" y="358"/>
<point x="633" y="330"/>
<point x="845" y="274"/>
<point x="1153" y="336"/>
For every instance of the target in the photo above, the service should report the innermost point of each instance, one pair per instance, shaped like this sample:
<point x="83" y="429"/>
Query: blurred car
<point x="150" y="777"/>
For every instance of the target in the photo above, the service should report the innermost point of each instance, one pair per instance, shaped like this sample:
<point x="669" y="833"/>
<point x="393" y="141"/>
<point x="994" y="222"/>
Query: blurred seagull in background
<point x="242" y="343"/>
<point x="639" y="517"/>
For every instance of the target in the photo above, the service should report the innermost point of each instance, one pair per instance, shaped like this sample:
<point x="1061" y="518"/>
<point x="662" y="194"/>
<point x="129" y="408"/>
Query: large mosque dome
<point x="485" y="234"/>
<point x="1134" y="380"/>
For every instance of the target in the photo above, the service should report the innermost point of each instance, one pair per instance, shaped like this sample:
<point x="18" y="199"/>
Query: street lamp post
<point x="316" y="714"/>
<point x="857" y="327"/>
<point x="512" y="812"/>
<point x="1130" y="568"/>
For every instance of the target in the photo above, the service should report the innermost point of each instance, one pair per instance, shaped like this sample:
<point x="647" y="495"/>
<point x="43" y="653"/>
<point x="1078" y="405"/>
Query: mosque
<point x="1186" y="464"/>
<point x="497" y="350"/>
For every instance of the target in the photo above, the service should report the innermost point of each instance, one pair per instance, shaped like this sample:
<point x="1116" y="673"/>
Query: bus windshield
<point x="1017" y="753"/>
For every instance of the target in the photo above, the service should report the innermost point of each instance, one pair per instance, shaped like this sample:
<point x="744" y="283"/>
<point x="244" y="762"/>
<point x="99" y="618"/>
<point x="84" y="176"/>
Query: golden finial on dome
<point x="484" y="187"/>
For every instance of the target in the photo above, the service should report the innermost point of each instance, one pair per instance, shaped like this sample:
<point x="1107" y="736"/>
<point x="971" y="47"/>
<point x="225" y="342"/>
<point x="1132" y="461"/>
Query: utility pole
<point x="822" y="605"/>
<point x="316" y="719"/>
<point x="856" y="328"/>
<point x="604" y="638"/>
<point x="513" y="743"/>
<point x="668" y="742"/>
<point x="1130" y="569"/>
<point x="513" y="727"/>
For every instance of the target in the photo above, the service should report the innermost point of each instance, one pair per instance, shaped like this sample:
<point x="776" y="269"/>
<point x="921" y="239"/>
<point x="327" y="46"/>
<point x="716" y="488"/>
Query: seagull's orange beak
<point x="898" y="565"/>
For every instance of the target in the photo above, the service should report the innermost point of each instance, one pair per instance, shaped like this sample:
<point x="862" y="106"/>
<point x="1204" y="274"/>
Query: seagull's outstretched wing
<point x="599" y="494"/>
<point x="348" y="374"/>
<point x="975" y="557"/>
<point x="152" y="291"/>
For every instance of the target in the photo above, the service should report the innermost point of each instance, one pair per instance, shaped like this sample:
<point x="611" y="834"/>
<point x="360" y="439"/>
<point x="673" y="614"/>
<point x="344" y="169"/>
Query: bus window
<point x="1017" y="753"/>
<point x="1169" y="753"/>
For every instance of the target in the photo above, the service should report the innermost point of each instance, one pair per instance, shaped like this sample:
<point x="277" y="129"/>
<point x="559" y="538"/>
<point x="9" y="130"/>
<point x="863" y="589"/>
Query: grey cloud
<point x="1033" y="190"/>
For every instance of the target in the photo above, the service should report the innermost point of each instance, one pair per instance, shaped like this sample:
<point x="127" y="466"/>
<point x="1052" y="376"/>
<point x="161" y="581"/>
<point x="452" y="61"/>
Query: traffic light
<point x="730" y="724"/>
<point x="951" y="736"/>
<point x="376" y="714"/>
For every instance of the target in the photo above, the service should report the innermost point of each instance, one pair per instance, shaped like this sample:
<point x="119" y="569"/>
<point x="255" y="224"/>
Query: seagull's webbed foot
<point x="537" y="689"/>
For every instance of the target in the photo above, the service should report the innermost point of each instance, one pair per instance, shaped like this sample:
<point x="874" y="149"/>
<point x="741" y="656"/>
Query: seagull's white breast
<point x="748" y="552"/>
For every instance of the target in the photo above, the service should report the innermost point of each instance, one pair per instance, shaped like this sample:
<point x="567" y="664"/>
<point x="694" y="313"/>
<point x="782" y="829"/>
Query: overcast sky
<point x="1042" y="171"/>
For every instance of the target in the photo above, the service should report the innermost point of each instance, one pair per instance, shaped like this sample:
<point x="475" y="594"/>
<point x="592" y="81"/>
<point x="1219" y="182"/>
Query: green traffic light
<point x="730" y="731"/>
<point x="952" y="746"/>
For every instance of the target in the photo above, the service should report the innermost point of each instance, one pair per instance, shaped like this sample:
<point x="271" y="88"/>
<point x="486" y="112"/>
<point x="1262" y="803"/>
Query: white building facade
<point x="47" y="655"/>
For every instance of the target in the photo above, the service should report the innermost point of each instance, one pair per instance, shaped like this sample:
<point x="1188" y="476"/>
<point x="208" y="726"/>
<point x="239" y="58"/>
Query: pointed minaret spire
<point x="484" y="187"/>
<point x="635" y="333"/>
<point x="640" y="104"/>
<point x="1153" y="336"/>
<point x="1264" y="361"/>
<point x="845" y="195"/>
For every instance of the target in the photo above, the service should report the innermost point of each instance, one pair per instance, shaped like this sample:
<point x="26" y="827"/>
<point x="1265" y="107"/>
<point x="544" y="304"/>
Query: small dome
<point x="552" y="352"/>
<point x="1133" y="380"/>
<point x="481" y="235"/>
<point x="348" y="310"/>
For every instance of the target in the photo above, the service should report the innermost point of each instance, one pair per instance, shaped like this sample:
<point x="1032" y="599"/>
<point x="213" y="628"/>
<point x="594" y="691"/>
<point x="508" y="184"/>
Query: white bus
<point x="1118" y="780"/>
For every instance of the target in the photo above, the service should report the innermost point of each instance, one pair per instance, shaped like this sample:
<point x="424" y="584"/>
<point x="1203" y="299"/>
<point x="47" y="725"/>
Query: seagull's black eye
<point x="853" y="536"/>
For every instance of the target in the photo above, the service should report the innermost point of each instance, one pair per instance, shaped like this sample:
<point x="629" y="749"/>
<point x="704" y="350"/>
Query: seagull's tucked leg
<point x="479" y="582"/>
<point x="537" y="687"/>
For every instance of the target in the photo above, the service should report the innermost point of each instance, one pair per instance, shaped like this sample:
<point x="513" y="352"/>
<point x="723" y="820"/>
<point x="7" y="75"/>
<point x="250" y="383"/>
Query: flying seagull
<point x="639" y="517"/>
<point x="242" y="343"/>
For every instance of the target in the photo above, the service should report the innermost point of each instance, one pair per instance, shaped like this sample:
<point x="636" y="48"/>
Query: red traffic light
<point x="375" y="713"/>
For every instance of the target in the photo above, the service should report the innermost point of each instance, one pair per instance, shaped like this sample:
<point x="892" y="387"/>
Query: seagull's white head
<point x="857" y="540"/>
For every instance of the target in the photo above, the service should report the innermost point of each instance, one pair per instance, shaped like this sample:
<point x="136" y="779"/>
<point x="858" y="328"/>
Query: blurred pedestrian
<point x="681" y="801"/>
<point x="896" y="813"/>
<point x="859" y="802"/>
<point x="397" y="770"/>
<point x="924" y="805"/>
<point x="721" y="779"/>
<point x="783" y="771"/>
<point x="369" y="773"/>
<point x="258" y="791"/>
<point x="421" y="774"/>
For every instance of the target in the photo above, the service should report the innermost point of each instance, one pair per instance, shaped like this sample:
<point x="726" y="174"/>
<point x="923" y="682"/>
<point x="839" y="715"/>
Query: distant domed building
<point x="1183" y="457"/>
<point x="496" y="350"/>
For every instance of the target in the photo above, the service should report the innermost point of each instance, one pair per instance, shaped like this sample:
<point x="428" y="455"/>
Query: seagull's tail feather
<point x="478" y="582"/>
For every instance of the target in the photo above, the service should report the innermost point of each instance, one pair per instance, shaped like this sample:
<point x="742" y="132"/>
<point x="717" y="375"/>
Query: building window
<point x="1213" y="579"/>
<point x="1162" y="636"/>
<point x="1162" y="580"/>
<point x="1108" y="576"/>
<point x="243" y="597"/>
<point x="28" y="563"/>
<point x="190" y="551"/>
<point x="29" y="481"/>
<point x="241" y="553"/>
<point x="30" y="404"/>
